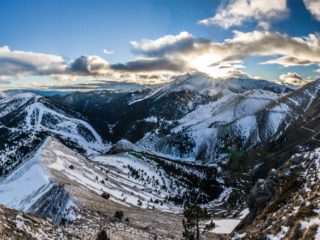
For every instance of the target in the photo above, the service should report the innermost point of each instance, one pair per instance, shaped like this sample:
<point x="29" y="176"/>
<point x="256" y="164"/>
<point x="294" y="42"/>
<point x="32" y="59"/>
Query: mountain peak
<point x="201" y="82"/>
<point x="19" y="95"/>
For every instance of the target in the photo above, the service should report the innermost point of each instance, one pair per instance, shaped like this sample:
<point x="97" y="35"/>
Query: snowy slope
<point x="41" y="118"/>
<point x="235" y="120"/>
<point x="56" y="179"/>
<point x="14" y="192"/>
<point x="25" y="121"/>
<point x="32" y="187"/>
<point x="133" y="182"/>
<point x="60" y="183"/>
<point x="46" y="184"/>
<point x="27" y="186"/>
<point x="208" y="125"/>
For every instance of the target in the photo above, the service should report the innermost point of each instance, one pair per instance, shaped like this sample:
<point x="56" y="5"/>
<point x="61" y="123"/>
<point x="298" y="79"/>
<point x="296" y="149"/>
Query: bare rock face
<point x="52" y="204"/>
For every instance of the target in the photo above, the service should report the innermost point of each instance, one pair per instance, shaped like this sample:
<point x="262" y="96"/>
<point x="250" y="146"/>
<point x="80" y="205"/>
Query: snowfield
<point x="23" y="187"/>
<point x="64" y="126"/>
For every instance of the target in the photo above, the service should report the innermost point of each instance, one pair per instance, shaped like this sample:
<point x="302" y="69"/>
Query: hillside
<point x="27" y="119"/>
<point x="285" y="205"/>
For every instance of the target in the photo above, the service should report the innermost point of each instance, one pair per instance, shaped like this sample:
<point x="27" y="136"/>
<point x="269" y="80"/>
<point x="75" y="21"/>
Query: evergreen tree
<point x="102" y="235"/>
<point x="193" y="214"/>
<point x="118" y="215"/>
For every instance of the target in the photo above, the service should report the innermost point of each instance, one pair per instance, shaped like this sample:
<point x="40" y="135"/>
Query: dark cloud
<point x="296" y="61"/>
<point x="143" y="76"/>
<point x="10" y="66"/>
<point x="88" y="65"/>
<point x="149" y="65"/>
<point x="292" y="61"/>
<point x="102" y="85"/>
<point x="80" y="65"/>
<point x="225" y="66"/>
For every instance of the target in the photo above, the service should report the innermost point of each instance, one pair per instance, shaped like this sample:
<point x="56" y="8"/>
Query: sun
<point x="206" y="64"/>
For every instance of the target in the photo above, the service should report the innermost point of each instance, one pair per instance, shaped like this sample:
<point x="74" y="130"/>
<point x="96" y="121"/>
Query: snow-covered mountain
<point x="239" y="121"/>
<point x="194" y="116"/>
<point x="203" y="83"/>
<point x="194" y="139"/>
<point x="25" y="121"/>
<point x="231" y="125"/>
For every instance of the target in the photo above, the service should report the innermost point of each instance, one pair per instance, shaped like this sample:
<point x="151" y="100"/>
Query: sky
<point x="65" y="44"/>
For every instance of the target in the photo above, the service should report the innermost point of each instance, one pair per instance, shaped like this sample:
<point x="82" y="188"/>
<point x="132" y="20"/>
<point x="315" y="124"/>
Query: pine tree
<point x="102" y="235"/>
<point x="193" y="214"/>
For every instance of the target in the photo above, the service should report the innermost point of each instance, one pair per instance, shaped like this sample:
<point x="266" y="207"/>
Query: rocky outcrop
<point x="16" y="225"/>
<point x="52" y="204"/>
<point x="286" y="205"/>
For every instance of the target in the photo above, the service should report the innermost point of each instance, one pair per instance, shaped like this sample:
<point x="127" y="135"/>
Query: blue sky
<point x="72" y="28"/>
<point x="69" y="29"/>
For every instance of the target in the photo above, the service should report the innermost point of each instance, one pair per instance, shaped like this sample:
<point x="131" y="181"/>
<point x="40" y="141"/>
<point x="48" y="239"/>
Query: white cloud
<point x="5" y="79"/>
<point x="171" y="54"/>
<point x="288" y="61"/>
<point x="292" y="79"/>
<point x="198" y="53"/>
<point x="20" y="63"/>
<point x="16" y="65"/>
<point x="264" y="25"/>
<point x="163" y="45"/>
<point x="314" y="7"/>
<point x="105" y="51"/>
<point x="237" y="12"/>
<point x="36" y="59"/>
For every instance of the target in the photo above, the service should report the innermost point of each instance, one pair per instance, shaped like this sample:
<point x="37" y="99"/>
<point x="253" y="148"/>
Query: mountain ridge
<point x="25" y="121"/>
<point x="207" y="147"/>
